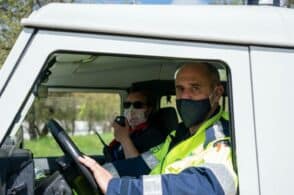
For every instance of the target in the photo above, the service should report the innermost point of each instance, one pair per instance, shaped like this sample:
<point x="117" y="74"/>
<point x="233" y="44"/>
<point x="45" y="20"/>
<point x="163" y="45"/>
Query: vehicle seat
<point x="166" y="120"/>
<point x="54" y="184"/>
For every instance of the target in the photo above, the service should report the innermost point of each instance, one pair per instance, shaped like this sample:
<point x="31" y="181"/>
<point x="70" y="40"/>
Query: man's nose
<point x="132" y="110"/>
<point x="185" y="94"/>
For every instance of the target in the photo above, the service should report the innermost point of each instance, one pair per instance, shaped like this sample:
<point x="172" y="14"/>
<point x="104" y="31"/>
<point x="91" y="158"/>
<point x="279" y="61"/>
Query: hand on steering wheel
<point x="69" y="148"/>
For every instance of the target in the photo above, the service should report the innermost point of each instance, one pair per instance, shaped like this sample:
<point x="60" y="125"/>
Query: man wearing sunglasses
<point x="135" y="134"/>
<point x="194" y="159"/>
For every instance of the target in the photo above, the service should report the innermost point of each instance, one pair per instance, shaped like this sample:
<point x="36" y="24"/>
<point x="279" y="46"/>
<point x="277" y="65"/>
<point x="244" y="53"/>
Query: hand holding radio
<point x="120" y="120"/>
<point x="121" y="128"/>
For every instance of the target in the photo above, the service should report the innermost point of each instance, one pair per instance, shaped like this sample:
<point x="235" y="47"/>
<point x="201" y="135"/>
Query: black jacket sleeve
<point x="131" y="167"/>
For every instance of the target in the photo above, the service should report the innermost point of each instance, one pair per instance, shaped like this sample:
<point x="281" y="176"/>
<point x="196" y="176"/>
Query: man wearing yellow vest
<point x="194" y="159"/>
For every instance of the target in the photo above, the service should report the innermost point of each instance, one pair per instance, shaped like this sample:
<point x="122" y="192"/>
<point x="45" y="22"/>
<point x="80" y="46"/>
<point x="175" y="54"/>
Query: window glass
<point x="80" y="114"/>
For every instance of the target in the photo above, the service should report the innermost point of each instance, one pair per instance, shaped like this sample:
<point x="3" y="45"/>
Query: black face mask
<point x="193" y="112"/>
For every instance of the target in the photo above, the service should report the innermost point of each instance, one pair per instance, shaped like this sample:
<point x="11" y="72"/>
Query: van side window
<point x="81" y="114"/>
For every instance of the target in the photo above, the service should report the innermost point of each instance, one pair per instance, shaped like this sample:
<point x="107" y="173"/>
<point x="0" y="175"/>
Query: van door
<point x="235" y="57"/>
<point x="272" y="79"/>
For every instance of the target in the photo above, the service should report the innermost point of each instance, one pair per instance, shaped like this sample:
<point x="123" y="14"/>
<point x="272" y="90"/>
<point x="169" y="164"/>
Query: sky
<point x="172" y="1"/>
<point x="147" y="1"/>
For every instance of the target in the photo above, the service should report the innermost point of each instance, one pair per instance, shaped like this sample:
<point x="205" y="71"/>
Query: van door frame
<point x="236" y="57"/>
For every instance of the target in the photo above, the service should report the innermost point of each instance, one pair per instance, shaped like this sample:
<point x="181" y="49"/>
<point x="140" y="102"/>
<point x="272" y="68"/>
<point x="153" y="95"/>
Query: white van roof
<point x="252" y="25"/>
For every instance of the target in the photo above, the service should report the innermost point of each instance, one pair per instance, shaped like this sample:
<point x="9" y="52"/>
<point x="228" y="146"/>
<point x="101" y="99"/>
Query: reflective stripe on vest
<point x="213" y="133"/>
<point x="154" y="156"/>
<point x="150" y="159"/>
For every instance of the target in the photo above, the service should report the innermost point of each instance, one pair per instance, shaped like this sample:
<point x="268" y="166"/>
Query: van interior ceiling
<point x="101" y="71"/>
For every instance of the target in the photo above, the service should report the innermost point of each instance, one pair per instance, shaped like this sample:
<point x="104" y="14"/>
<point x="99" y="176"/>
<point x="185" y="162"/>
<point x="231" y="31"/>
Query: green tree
<point x="61" y="106"/>
<point x="99" y="108"/>
<point x="11" y="12"/>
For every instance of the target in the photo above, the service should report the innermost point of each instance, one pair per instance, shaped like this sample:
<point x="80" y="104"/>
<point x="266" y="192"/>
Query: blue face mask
<point x="193" y="112"/>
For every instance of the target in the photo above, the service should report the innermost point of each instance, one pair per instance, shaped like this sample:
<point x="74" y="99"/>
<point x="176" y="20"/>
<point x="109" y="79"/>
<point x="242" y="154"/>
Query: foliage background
<point x="46" y="146"/>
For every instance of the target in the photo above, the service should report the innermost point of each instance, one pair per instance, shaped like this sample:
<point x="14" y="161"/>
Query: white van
<point x="108" y="48"/>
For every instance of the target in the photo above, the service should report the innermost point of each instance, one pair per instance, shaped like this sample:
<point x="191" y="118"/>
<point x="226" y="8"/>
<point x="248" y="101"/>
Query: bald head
<point x="207" y="71"/>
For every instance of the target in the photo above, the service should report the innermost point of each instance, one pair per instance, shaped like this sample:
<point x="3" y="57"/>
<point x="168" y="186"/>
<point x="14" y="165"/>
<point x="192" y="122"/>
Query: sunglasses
<point x="136" y="104"/>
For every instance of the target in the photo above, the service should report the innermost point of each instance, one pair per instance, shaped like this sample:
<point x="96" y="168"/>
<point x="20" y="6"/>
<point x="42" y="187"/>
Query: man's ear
<point x="219" y="91"/>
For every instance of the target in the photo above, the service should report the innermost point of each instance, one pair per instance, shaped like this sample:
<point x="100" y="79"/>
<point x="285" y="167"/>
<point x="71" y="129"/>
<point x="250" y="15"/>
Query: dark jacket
<point x="143" y="139"/>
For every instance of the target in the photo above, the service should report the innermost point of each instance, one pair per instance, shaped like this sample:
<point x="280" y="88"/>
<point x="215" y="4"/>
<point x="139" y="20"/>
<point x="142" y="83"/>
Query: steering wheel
<point x="69" y="148"/>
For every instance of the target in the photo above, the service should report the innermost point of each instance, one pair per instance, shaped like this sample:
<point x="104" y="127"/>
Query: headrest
<point x="166" y="120"/>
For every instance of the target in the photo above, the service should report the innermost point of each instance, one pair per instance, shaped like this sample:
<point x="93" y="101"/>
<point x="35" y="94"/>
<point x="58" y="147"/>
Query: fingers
<point x="115" y="125"/>
<point x="101" y="175"/>
<point x="127" y="123"/>
<point x="89" y="162"/>
<point x="119" y="129"/>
